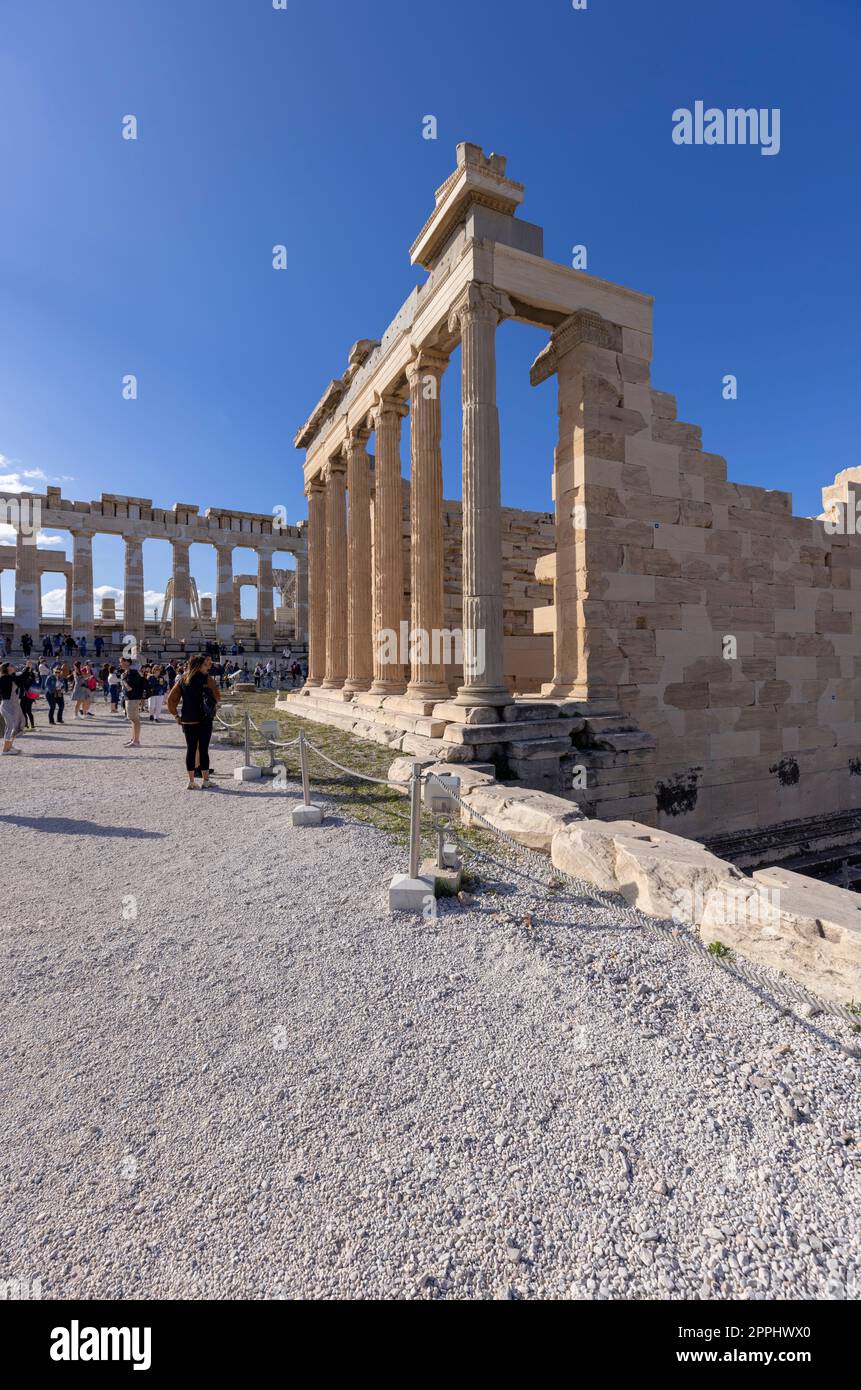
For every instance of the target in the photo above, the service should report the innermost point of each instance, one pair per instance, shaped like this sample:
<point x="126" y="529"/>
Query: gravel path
<point x="263" y="1085"/>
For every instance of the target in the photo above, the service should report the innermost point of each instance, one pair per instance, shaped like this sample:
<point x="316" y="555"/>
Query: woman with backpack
<point x="193" y="701"/>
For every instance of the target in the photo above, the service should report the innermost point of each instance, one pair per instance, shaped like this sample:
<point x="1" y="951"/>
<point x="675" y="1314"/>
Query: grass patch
<point x="383" y="807"/>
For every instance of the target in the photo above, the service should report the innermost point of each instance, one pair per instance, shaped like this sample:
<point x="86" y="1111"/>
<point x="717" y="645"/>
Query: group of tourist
<point x="190" y="688"/>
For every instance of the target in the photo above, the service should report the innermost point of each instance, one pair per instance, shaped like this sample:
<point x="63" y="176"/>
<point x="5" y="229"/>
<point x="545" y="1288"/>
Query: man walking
<point x="134" y="688"/>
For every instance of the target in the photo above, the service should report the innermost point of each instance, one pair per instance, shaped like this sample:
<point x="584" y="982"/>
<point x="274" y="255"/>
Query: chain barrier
<point x="552" y="877"/>
<point x="673" y="931"/>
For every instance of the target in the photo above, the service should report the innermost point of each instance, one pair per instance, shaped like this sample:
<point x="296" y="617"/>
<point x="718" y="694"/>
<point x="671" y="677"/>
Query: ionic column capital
<point x="386" y="407"/>
<point x="357" y="439"/>
<point x="479" y="301"/>
<point x="337" y="465"/>
<point x="425" y="361"/>
<point x="315" y="487"/>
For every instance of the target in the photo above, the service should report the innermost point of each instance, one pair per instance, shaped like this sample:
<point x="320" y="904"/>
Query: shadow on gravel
<point x="62" y="825"/>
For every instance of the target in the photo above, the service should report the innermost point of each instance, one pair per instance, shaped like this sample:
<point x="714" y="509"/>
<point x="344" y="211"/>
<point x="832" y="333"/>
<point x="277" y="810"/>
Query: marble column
<point x="181" y="611"/>
<point x="336" y="575"/>
<point x="300" y="631"/>
<point x="225" y="609"/>
<point x="386" y="419"/>
<point x="359" y="597"/>
<point x="82" y="585"/>
<point x="28" y="583"/>
<point x="133" y="591"/>
<point x="427" y="676"/>
<point x="265" y="616"/>
<point x="316" y="493"/>
<point x="68" y="608"/>
<point x="476" y="316"/>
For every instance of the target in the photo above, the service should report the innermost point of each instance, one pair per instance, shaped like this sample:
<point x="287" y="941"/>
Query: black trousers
<point x="197" y="738"/>
<point x="56" y="705"/>
<point x="27" y="711"/>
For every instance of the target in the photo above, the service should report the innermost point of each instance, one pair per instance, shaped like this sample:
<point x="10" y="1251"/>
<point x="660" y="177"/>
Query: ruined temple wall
<point x="729" y="629"/>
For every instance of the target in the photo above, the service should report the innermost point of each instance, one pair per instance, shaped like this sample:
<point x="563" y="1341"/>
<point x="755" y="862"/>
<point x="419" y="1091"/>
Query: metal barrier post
<point x="248" y="772"/>
<point x="303" y="763"/>
<point x="307" y="813"/>
<point x="415" y="820"/>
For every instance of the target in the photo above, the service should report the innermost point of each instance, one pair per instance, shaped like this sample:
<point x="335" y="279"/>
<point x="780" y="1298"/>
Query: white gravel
<point x="265" y="1086"/>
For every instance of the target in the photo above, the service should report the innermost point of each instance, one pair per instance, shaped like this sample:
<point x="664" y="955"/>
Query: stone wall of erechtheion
<point x="725" y="630"/>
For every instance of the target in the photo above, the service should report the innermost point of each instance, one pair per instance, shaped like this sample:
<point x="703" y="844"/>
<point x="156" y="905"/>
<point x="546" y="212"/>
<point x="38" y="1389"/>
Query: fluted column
<point x="427" y="676"/>
<point x="476" y="315"/>
<point x="317" y="597"/>
<point x="265" y="620"/>
<point x="27" y="586"/>
<point x="386" y="419"/>
<point x="68" y="607"/>
<point x="181" y="611"/>
<point x="359" y="599"/>
<point x="300" y="630"/>
<point x="82" y="585"/>
<point x="336" y="575"/>
<point x="133" y="589"/>
<point x="225" y="608"/>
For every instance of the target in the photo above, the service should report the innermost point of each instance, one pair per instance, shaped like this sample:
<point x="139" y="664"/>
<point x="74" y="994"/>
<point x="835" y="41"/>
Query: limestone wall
<point x="726" y="630"/>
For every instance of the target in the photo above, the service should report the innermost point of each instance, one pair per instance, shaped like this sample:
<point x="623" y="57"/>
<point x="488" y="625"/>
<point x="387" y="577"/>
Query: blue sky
<point x="304" y="127"/>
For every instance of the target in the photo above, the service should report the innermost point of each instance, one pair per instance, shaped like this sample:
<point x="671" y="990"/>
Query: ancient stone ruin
<point x="184" y="614"/>
<point x="695" y="649"/>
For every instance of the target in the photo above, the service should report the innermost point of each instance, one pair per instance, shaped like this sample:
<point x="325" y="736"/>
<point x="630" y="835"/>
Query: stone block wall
<point x="718" y="637"/>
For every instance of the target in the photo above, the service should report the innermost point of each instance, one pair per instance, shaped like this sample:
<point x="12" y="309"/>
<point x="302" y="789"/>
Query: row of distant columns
<point x="349" y="607"/>
<point x="79" y="606"/>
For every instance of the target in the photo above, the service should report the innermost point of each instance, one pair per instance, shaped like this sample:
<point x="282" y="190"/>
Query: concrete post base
<point x="409" y="894"/>
<point x="247" y="774"/>
<point x="307" y="815"/>
<point x="446" y="880"/>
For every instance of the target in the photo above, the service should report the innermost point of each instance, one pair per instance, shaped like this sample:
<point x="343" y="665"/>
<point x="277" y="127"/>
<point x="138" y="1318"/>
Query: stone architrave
<point x="476" y="316"/>
<point x="181" y="613"/>
<point x="27" y="586"/>
<point x="359" y="654"/>
<point x="133" y="589"/>
<point x="385" y="420"/>
<point x="427" y="617"/>
<point x="265" y="618"/>
<point x="82" y="585"/>
<point x="225" y="608"/>
<point x="316" y="493"/>
<point x="336" y="574"/>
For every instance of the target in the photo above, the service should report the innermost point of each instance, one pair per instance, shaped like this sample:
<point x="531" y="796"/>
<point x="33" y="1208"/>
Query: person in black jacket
<point x="25" y="681"/>
<point x="200" y="696"/>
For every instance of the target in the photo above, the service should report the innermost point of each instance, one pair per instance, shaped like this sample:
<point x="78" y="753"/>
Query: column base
<point x="386" y="687"/>
<point x="355" y="685"/>
<point x="469" y="695"/>
<point x="428" y="693"/>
